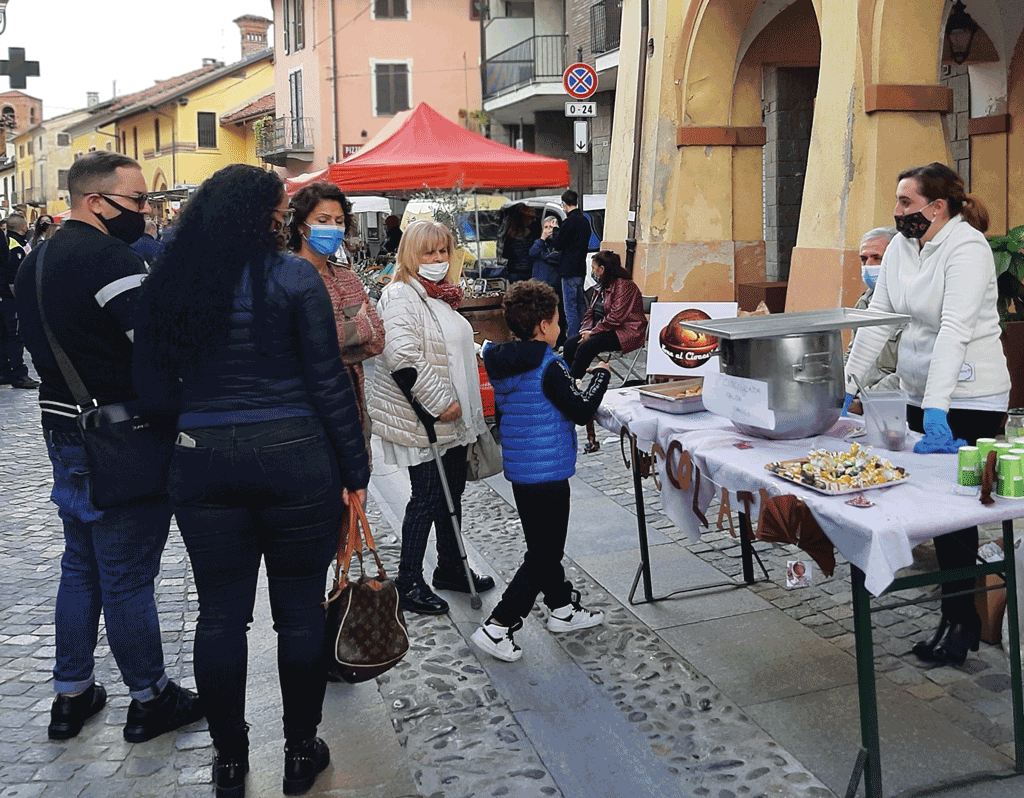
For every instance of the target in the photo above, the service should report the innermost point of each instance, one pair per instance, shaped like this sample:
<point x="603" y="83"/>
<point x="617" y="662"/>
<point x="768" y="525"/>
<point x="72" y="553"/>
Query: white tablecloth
<point x="878" y="540"/>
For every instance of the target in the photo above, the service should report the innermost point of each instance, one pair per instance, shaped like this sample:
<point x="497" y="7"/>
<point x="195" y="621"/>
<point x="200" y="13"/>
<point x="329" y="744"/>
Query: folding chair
<point x="630" y="368"/>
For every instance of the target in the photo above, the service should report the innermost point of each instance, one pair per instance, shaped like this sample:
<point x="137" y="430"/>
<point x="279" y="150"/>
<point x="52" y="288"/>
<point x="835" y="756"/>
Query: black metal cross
<point x="18" y="68"/>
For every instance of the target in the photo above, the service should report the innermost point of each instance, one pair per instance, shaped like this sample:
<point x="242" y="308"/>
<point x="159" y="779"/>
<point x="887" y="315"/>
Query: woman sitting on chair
<point x="615" y="320"/>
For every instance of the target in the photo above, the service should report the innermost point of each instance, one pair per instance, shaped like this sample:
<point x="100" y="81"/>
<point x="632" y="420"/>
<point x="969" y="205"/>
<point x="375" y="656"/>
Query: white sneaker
<point x="497" y="640"/>
<point x="573" y="616"/>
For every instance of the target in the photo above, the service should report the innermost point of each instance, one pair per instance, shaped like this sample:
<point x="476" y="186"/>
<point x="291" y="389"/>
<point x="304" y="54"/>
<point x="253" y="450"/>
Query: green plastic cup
<point x="969" y="472"/>
<point x="985" y="446"/>
<point x="1010" y="484"/>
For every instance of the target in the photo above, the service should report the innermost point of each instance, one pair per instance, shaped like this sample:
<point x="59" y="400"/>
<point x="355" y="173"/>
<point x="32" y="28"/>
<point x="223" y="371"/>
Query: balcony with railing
<point x="285" y="138"/>
<point x="35" y="196"/>
<point x="534" y="60"/>
<point x="605" y="26"/>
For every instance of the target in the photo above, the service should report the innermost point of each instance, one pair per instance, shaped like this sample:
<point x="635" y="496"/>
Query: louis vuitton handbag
<point x="366" y="631"/>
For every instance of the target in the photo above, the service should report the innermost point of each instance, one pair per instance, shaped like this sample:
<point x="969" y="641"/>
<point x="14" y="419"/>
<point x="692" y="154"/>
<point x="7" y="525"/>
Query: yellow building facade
<point x="44" y="153"/>
<point x="178" y="137"/>
<point x="773" y="132"/>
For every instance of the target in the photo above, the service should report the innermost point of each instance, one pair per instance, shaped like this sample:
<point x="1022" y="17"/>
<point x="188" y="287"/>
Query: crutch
<point x="405" y="379"/>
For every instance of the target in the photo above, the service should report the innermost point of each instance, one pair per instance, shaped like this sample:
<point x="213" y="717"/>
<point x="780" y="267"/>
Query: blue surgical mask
<point x="324" y="239"/>
<point x="870" y="275"/>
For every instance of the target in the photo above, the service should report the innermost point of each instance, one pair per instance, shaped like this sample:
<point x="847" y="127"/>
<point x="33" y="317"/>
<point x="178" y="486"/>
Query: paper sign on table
<point x="739" y="399"/>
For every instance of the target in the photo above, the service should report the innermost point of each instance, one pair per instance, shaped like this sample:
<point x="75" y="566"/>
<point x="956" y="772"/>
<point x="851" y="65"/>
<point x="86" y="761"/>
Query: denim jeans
<point x="243" y="493"/>
<point x="575" y="305"/>
<point x="111" y="558"/>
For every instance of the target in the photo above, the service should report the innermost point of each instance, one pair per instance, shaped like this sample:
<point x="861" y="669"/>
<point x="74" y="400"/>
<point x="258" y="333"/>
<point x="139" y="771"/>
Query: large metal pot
<point x="804" y="373"/>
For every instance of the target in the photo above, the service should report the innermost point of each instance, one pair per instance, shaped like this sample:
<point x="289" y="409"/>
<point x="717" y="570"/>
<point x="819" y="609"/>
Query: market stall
<point x="696" y="456"/>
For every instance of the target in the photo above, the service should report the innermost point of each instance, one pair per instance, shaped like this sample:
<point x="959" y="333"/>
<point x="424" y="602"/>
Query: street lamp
<point x="960" y="30"/>
<point x="3" y="15"/>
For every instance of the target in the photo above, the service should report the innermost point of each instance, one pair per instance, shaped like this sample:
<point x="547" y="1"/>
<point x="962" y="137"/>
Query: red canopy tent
<point x="420" y="148"/>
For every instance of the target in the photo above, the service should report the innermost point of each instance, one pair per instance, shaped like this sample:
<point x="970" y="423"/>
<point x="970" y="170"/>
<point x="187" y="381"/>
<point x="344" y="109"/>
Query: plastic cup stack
<point x="1011" y="477"/>
<point x="984" y="447"/>
<point x="969" y="472"/>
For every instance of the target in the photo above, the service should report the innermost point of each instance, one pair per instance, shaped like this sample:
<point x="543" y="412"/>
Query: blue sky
<point x="86" y="45"/>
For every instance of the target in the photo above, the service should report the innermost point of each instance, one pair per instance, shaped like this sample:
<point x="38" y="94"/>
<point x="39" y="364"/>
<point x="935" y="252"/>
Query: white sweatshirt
<point x="950" y="354"/>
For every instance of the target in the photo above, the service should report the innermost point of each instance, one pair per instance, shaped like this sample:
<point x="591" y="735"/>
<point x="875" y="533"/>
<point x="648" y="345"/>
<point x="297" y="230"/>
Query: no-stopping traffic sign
<point x="580" y="81"/>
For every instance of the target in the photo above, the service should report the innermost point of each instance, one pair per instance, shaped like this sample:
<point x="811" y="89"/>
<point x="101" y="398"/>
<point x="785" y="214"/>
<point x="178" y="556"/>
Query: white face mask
<point x="870" y="274"/>
<point x="435" y="272"/>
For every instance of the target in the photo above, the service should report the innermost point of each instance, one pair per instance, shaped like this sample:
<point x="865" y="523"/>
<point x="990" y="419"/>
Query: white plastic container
<point x="885" y="419"/>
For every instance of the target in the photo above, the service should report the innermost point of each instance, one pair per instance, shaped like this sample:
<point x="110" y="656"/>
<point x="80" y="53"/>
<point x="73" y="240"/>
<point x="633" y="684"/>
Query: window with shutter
<point x="207" y="128"/>
<point x="392" y="88"/>
<point x="390" y="9"/>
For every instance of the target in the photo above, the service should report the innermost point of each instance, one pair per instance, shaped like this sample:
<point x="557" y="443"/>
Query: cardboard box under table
<point x="877" y="541"/>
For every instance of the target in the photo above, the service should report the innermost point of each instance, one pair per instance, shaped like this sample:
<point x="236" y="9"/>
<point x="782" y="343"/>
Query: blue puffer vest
<point x="538" y="442"/>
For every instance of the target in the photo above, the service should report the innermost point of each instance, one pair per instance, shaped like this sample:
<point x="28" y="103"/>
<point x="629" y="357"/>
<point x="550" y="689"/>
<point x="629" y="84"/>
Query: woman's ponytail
<point x="975" y="213"/>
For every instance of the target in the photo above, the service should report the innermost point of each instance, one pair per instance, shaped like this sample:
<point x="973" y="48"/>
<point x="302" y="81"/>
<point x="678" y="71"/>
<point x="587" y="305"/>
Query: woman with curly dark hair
<point x="321" y="218"/>
<point x="238" y="339"/>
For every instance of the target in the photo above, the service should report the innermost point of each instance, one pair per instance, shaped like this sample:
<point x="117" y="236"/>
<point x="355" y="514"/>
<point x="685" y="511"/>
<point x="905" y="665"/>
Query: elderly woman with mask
<point x="425" y="337"/>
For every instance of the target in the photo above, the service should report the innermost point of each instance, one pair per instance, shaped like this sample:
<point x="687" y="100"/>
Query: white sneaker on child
<point x="497" y="640"/>
<point x="573" y="616"/>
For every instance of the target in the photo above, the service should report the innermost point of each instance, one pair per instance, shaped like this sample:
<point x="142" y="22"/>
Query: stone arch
<point x="159" y="181"/>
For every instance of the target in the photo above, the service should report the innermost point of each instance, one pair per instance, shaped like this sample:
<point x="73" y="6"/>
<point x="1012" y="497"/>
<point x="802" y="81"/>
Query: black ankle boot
<point x="963" y="636"/>
<point x="231" y="764"/>
<point x="926" y="650"/>
<point x="303" y="762"/>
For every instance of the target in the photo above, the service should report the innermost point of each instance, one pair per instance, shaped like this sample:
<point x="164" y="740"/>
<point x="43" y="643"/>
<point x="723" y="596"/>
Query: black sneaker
<point x="24" y="382"/>
<point x="303" y="762"/>
<point x="173" y="708"/>
<point x="69" y="713"/>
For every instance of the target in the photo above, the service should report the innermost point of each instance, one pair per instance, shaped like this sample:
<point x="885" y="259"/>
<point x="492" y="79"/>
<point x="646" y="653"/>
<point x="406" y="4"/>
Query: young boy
<point x="539" y="406"/>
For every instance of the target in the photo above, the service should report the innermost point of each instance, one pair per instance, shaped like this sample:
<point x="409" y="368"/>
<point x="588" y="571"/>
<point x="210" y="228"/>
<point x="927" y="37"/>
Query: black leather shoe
<point x="961" y="638"/>
<point x="173" y="708"/>
<point x="421" y="600"/>
<point x="69" y="713"/>
<point x="303" y="762"/>
<point x="229" y="771"/>
<point x="926" y="650"/>
<point x="24" y="382"/>
<point x="456" y="580"/>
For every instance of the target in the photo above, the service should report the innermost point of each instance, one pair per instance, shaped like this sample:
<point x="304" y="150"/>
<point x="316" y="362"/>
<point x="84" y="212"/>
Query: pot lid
<point x="777" y="325"/>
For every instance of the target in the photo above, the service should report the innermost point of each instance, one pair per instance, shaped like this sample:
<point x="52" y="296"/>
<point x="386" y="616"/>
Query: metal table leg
<point x="1013" y="618"/>
<point x="869" y="757"/>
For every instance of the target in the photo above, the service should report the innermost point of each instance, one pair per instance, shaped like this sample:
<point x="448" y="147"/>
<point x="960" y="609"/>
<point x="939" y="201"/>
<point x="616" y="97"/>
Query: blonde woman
<point x="424" y="332"/>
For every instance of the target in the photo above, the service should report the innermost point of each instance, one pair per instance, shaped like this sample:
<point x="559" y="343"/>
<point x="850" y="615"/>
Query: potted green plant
<point x="1008" y="251"/>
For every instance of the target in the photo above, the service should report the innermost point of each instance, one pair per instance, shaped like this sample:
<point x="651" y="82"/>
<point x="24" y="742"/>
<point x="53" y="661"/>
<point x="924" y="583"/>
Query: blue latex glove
<point x="938" y="437"/>
<point x="846" y="405"/>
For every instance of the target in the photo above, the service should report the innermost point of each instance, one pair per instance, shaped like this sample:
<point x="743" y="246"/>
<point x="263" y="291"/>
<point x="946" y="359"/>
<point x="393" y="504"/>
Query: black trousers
<point x="579" y="354"/>
<point x="267" y="491"/>
<point x="12" y="349"/>
<point x="427" y="508"/>
<point x="544" y="512"/>
<point x="959" y="549"/>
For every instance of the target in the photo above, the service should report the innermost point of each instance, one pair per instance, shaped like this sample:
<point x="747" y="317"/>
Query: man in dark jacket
<point x="573" y="241"/>
<point x="13" y="370"/>
<point x="90" y="282"/>
<point x="149" y="247"/>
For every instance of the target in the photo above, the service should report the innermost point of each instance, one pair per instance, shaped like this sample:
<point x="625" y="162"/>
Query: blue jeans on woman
<point x="272" y="491"/>
<point x="111" y="558"/>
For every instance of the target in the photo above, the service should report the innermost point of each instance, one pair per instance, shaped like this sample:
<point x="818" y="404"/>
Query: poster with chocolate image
<point x="675" y="350"/>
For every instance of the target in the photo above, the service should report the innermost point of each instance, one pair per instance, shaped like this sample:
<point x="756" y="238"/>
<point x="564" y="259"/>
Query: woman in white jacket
<point x="940" y="271"/>
<point x="424" y="332"/>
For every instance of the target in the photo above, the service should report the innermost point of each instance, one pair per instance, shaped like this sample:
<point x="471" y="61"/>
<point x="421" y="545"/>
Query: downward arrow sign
<point x="581" y="135"/>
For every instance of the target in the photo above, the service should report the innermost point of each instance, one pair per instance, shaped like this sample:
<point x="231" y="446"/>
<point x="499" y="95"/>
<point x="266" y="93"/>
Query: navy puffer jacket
<point x="287" y="366"/>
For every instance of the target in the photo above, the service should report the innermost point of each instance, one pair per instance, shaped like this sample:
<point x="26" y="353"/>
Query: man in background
<point x="148" y="246"/>
<point x="13" y="370"/>
<point x="573" y="242"/>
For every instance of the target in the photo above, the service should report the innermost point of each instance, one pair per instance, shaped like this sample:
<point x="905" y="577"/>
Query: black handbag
<point x="129" y="454"/>
<point x="366" y="631"/>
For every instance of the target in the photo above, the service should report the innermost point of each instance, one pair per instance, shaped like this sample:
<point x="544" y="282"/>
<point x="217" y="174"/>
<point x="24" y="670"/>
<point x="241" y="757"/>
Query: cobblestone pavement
<point x="460" y="735"/>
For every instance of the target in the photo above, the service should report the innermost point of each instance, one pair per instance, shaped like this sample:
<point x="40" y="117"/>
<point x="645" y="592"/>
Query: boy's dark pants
<point x="544" y="512"/>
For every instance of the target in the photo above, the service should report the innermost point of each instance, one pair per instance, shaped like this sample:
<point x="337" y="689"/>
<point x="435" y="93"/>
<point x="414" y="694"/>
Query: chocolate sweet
<point x="684" y="346"/>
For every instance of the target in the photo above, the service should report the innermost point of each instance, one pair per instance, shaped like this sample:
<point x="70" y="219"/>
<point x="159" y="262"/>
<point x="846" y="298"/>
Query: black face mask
<point x="913" y="225"/>
<point x="128" y="225"/>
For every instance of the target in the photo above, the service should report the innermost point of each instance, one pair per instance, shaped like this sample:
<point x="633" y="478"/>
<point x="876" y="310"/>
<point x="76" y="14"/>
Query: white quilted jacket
<point x="412" y="337"/>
